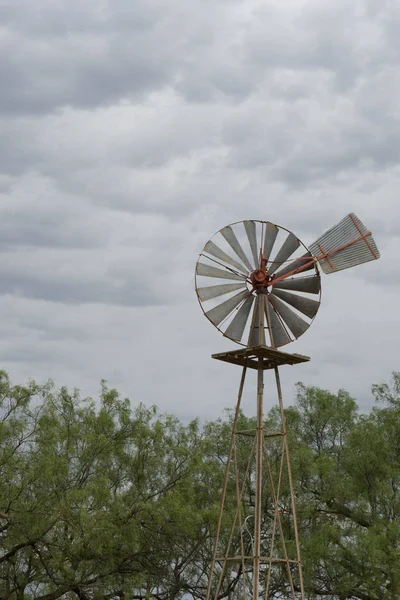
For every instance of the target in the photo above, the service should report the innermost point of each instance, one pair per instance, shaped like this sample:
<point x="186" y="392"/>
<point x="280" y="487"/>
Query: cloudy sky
<point x="132" y="130"/>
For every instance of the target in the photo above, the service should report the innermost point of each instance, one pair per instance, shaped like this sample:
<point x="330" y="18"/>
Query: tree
<point x="347" y="470"/>
<point x="102" y="500"/>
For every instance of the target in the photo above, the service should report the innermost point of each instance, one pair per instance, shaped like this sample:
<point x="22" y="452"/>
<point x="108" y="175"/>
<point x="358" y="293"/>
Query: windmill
<point x="260" y="286"/>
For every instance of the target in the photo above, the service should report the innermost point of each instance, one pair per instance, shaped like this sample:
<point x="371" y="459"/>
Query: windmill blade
<point x="209" y="271"/>
<point x="305" y="305"/>
<point x="238" y="323"/>
<point x="289" y="246"/>
<point x="340" y="244"/>
<point x="299" y="262"/>
<point x="232" y="240"/>
<point x="271" y="231"/>
<point x="220" y="312"/>
<point x="279" y="335"/>
<point x="310" y="285"/>
<point x="295" y="323"/>
<point x="250" y="228"/>
<point x="206" y="293"/>
<point x="213" y="249"/>
<point x="254" y="335"/>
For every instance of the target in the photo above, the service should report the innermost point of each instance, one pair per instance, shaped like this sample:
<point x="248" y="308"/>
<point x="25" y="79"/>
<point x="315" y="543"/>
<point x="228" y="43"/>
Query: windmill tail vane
<point x="336" y="259"/>
<point x="346" y="245"/>
<point x="264" y="303"/>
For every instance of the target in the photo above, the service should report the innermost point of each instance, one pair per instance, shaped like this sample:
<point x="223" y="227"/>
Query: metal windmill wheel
<point x="248" y="257"/>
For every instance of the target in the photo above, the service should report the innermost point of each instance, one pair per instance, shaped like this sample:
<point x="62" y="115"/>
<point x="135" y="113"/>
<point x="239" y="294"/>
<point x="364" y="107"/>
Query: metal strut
<point x="259" y="450"/>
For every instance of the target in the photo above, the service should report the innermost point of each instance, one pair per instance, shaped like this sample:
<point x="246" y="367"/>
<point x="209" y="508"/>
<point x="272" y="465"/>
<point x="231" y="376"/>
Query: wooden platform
<point x="270" y="357"/>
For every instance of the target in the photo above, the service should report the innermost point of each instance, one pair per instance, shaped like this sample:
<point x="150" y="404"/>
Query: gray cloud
<point x="43" y="229"/>
<point x="82" y="56"/>
<point x="131" y="132"/>
<point x="72" y="286"/>
<point x="75" y="291"/>
<point x="21" y="353"/>
<point x="99" y="54"/>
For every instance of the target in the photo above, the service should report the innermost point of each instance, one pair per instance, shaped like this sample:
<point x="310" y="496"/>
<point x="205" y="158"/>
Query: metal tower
<point x="252" y="302"/>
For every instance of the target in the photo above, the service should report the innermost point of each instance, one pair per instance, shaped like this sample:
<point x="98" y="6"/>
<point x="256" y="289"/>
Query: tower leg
<point x="259" y="449"/>
<point x="225" y="484"/>
<point x="258" y="494"/>
<point x="290" y="477"/>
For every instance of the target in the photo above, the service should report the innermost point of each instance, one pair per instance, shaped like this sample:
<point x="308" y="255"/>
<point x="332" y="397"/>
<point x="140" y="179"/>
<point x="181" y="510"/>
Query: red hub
<point x="259" y="278"/>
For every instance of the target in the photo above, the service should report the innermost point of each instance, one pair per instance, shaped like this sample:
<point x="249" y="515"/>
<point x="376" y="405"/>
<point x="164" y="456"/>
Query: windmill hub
<point x="259" y="278"/>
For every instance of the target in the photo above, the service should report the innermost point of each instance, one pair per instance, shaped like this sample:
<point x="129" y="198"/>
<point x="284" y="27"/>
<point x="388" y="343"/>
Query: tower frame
<point x="259" y="358"/>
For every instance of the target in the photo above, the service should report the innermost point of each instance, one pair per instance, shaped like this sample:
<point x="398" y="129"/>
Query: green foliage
<point x="102" y="500"/>
<point x="347" y="467"/>
<point x="388" y="393"/>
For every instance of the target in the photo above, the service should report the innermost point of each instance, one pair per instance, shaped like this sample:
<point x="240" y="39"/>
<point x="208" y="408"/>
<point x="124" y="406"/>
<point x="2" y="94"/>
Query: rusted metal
<point x="222" y="503"/>
<point x="225" y="559"/>
<point x="347" y="244"/>
<point x="291" y="487"/>
<point x="344" y="245"/>
<point x="366" y="235"/>
<point x="232" y="318"/>
<point x="277" y="519"/>
<point x="239" y="505"/>
<point x="259" y="452"/>
<point x="306" y="261"/>
<point x="265" y="301"/>
<point x="259" y="278"/>
<point x="276" y="493"/>
<point x="306" y="266"/>
<point x="325" y="256"/>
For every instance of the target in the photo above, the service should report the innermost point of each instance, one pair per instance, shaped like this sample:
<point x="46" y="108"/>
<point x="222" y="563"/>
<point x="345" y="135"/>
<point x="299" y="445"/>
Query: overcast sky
<point x="132" y="130"/>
